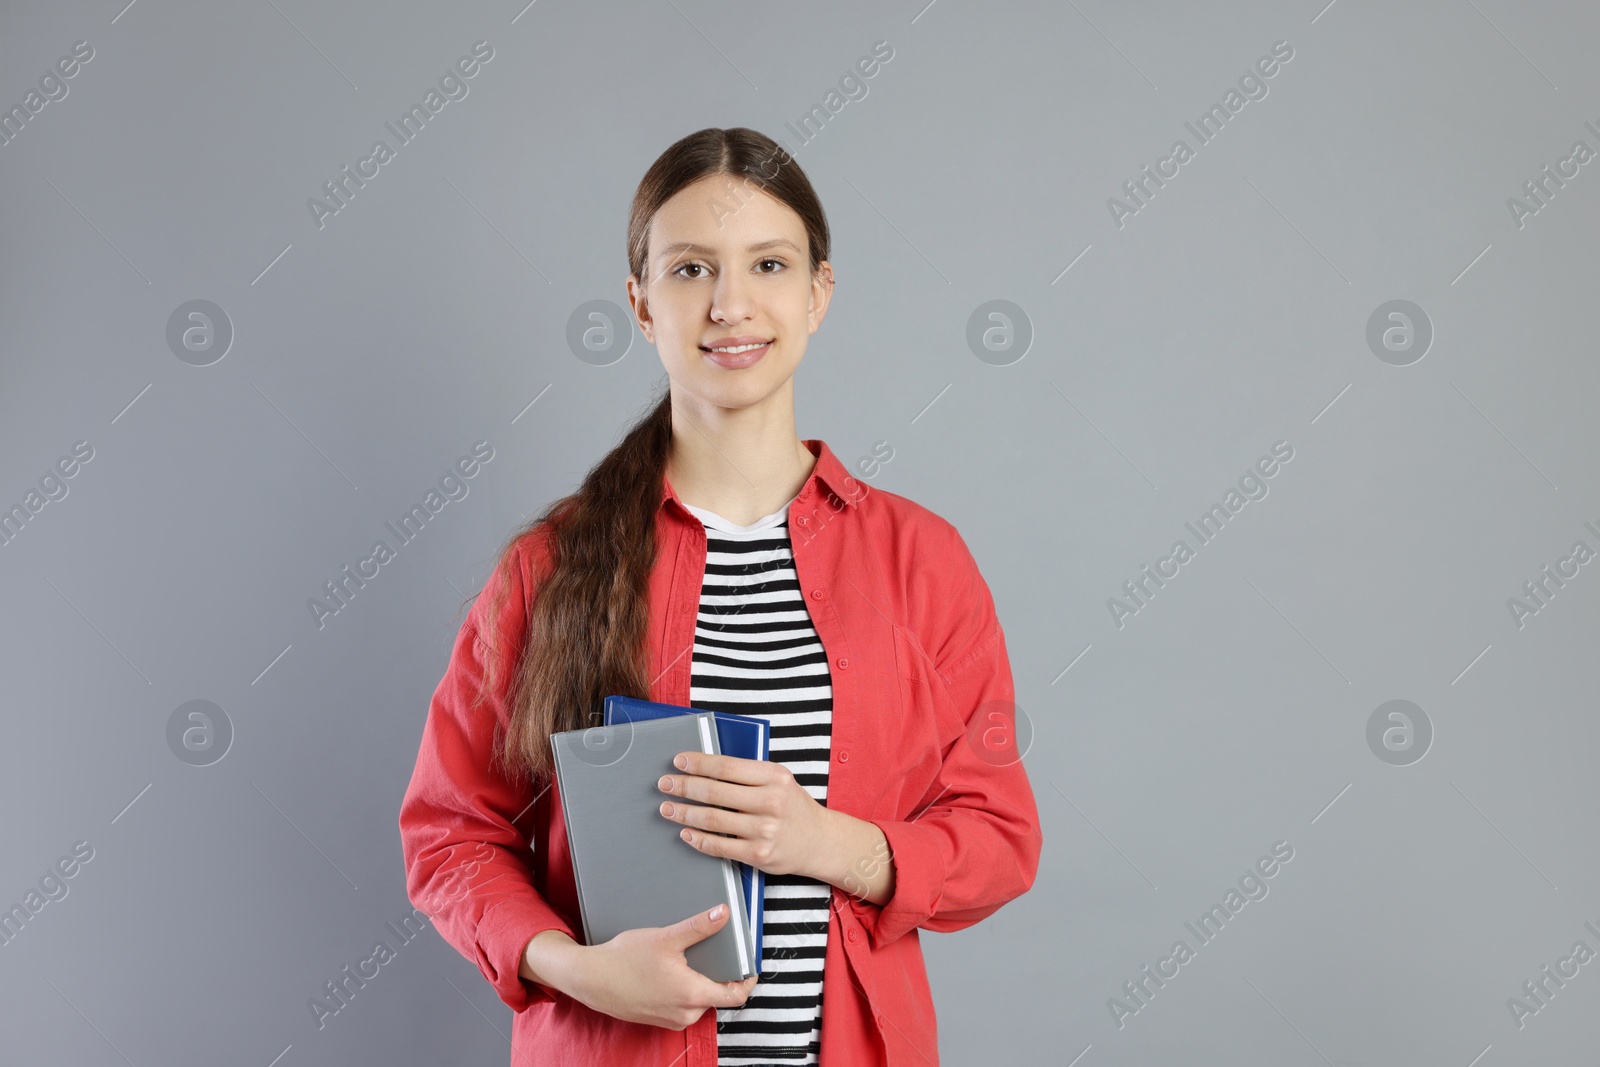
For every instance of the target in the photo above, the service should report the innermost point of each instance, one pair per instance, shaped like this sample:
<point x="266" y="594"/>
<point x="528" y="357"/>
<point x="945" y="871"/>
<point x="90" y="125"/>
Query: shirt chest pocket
<point x="930" y="720"/>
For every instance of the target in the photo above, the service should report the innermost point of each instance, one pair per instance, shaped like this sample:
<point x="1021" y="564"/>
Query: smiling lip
<point x="736" y="360"/>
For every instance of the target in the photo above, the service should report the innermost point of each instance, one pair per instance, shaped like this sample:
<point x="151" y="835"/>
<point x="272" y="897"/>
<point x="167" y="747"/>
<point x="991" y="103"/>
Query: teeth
<point x="739" y="348"/>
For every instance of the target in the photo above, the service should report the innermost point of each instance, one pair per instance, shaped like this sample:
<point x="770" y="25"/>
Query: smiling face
<point x="728" y="267"/>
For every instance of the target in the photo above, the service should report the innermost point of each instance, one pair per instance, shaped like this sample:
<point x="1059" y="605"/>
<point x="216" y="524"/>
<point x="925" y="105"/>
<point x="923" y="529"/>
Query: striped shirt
<point x="756" y="653"/>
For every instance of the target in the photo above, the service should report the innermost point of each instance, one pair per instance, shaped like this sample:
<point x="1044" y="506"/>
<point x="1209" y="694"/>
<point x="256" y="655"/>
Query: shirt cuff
<point x="503" y="932"/>
<point x="919" y="875"/>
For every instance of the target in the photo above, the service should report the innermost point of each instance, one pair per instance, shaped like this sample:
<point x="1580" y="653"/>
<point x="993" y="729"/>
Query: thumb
<point x="697" y="927"/>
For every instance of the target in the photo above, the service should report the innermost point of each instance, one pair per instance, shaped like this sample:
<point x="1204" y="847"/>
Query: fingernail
<point x="716" y="912"/>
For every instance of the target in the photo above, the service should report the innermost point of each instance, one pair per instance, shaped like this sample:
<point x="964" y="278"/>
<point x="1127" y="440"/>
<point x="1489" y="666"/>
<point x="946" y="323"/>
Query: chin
<point x="731" y="392"/>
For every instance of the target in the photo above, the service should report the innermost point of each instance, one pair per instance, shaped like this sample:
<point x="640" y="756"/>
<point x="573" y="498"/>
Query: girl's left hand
<point x="775" y="825"/>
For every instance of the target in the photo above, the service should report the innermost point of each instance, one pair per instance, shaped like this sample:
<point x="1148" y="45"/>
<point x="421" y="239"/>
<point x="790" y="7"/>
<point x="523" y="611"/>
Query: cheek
<point x="678" y="314"/>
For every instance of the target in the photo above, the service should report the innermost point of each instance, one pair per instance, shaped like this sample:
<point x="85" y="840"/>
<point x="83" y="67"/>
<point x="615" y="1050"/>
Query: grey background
<point x="1169" y="754"/>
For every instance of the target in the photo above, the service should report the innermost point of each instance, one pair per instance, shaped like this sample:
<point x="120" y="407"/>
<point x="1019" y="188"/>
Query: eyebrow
<point x="690" y="246"/>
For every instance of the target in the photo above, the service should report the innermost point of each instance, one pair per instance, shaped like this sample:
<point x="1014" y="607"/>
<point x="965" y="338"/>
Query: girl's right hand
<point x="642" y="976"/>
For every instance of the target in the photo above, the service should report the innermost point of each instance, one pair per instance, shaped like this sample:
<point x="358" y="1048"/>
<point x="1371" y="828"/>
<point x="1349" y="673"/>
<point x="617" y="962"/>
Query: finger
<point x="734" y="769"/>
<point x="710" y="819"/>
<point x="697" y="927"/>
<point x="733" y="848"/>
<point x="729" y="994"/>
<point x="714" y="792"/>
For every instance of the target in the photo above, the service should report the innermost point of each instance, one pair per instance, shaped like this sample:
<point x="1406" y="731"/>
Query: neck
<point x="740" y="468"/>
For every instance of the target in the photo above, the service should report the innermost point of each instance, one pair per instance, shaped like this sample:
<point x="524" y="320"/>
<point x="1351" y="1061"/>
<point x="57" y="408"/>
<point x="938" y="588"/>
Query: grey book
<point x="631" y="867"/>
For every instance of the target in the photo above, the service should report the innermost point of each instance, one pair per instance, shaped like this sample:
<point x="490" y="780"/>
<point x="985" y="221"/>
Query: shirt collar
<point x="835" y="481"/>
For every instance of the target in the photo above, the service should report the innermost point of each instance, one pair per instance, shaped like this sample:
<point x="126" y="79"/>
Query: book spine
<point x="732" y="888"/>
<point x="709" y="741"/>
<point x="738" y="918"/>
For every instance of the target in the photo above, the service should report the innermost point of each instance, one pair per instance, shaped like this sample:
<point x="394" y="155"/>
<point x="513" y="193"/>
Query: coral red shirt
<point x="922" y="746"/>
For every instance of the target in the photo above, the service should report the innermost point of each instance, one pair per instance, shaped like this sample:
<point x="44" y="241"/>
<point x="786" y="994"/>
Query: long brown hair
<point x="589" y="617"/>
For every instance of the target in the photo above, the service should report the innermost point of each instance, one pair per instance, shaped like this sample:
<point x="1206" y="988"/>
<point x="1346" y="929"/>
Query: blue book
<point x="745" y="736"/>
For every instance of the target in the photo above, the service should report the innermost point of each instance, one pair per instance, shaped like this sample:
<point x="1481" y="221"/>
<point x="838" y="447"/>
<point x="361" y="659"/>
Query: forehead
<point x="722" y="214"/>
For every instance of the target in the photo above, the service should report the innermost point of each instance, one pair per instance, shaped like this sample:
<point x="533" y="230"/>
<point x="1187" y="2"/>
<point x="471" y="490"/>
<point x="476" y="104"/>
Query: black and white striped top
<point x="756" y="653"/>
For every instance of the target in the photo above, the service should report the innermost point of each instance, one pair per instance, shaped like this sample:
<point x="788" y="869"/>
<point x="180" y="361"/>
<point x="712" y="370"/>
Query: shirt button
<point x="844" y="757"/>
<point x="843" y="663"/>
<point x="816" y="594"/>
<point x="851" y="934"/>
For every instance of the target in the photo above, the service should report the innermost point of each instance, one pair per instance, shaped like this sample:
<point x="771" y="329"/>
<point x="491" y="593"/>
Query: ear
<point x="639" y="302"/>
<point x="821" y="294"/>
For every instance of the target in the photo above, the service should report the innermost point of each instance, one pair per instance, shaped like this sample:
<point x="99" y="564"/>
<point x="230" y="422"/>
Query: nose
<point x="730" y="299"/>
